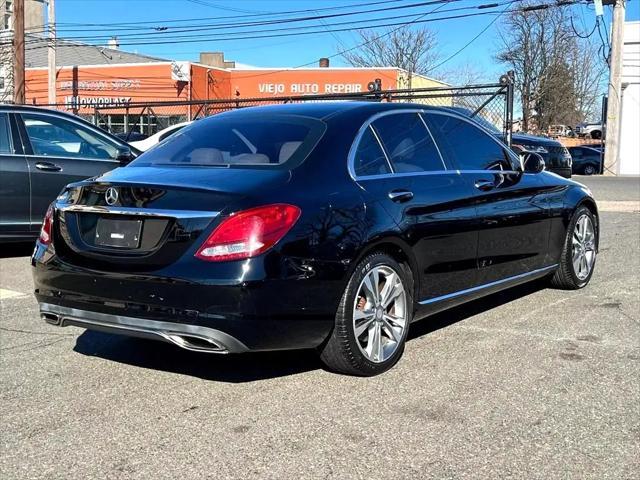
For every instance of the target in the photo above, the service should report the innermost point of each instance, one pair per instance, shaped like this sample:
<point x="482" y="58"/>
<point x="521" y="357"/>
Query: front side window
<point x="408" y="144"/>
<point x="467" y="145"/>
<point x="5" y="138"/>
<point x="57" y="137"/>
<point x="246" y="140"/>
<point x="369" y="158"/>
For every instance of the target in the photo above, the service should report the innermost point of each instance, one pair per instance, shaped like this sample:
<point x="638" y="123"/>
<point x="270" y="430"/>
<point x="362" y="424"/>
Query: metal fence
<point x="491" y="102"/>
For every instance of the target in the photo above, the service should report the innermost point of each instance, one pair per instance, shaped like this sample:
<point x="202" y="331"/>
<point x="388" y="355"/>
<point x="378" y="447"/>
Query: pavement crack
<point x="17" y="330"/>
<point x="36" y="345"/>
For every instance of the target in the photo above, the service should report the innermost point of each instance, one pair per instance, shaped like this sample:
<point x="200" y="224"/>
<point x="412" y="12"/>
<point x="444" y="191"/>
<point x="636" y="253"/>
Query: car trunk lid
<point x="147" y="217"/>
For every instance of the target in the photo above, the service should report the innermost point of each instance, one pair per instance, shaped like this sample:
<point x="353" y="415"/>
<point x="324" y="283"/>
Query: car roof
<point x="30" y="108"/>
<point x="535" y="140"/>
<point x="319" y="109"/>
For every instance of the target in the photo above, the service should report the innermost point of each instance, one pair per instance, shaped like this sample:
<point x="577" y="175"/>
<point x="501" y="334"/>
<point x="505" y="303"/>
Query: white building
<point x="629" y="159"/>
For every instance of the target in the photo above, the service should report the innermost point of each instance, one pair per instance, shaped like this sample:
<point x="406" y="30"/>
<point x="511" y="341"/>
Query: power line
<point x="112" y="26"/>
<point x="226" y="37"/>
<point x="573" y="27"/>
<point x="223" y="26"/>
<point x="342" y="52"/>
<point x="310" y="29"/>
<point x="417" y="20"/>
<point x="457" y="52"/>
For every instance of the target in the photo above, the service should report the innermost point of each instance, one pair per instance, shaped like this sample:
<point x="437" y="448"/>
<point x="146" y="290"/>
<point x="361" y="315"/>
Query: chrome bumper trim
<point x="189" y="337"/>
<point x="146" y="212"/>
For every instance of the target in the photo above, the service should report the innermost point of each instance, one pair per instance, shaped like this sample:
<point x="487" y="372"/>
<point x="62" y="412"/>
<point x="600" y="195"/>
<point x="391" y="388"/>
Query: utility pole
<point x="614" y="101"/>
<point x="51" y="20"/>
<point x="18" y="46"/>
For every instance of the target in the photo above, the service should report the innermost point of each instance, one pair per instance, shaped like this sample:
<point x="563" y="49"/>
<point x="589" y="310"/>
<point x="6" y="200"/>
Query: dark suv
<point x="41" y="151"/>
<point x="556" y="156"/>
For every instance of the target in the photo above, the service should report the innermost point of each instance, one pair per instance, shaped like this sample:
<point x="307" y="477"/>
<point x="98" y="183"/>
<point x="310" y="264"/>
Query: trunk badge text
<point x="111" y="196"/>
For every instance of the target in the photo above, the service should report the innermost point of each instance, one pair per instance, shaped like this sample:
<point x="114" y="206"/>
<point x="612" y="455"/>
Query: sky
<point x="298" y="50"/>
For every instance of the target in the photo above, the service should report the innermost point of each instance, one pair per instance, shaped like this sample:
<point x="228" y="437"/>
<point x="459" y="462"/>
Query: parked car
<point x="147" y="143"/>
<point x="556" y="157"/>
<point x="322" y="225"/>
<point x="131" y="136"/>
<point x="586" y="160"/>
<point x="561" y="131"/>
<point x="596" y="146"/>
<point x="41" y="151"/>
<point x="590" y="130"/>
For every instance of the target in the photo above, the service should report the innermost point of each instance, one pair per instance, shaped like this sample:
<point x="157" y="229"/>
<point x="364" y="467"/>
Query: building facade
<point x="90" y="76"/>
<point x="629" y="159"/>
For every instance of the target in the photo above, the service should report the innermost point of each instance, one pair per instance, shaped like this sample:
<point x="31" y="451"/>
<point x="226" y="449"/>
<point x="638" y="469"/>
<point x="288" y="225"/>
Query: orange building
<point x="90" y="76"/>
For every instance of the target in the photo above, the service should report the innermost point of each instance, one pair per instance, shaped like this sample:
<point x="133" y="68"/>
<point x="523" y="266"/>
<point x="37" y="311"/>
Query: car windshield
<point x="245" y="140"/>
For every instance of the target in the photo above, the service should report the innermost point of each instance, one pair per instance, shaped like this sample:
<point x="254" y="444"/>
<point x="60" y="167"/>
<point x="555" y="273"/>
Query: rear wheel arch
<point x="397" y="249"/>
<point x="590" y="203"/>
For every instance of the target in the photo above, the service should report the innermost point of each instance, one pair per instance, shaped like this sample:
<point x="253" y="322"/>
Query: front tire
<point x="589" y="170"/>
<point x="372" y="321"/>
<point x="578" y="257"/>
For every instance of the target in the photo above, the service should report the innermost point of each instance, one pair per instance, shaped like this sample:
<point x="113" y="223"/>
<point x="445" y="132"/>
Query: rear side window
<point x="467" y="145"/>
<point x="5" y="142"/>
<point x="369" y="158"/>
<point x="238" y="141"/>
<point x="54" y="136"/>
<point x="408" y="144"/>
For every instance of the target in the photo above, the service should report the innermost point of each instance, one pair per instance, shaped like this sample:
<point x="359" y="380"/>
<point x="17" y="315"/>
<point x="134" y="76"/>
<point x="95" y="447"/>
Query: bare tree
<point x="556" y="72"/>
<point x="414" y="50"/>
<point x="589" y="73"/>
<point x="531" y="44"/>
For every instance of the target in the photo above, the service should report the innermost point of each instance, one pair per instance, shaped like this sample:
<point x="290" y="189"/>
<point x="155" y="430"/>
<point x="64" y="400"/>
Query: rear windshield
<point x="247" y="140"/>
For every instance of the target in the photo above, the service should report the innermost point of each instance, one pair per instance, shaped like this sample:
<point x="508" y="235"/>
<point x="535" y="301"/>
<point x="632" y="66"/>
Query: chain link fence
<point x="490" y="103"/>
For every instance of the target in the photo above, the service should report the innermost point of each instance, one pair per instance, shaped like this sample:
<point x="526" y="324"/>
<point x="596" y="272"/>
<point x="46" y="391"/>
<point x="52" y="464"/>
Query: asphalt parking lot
<point x="529" y="383"/>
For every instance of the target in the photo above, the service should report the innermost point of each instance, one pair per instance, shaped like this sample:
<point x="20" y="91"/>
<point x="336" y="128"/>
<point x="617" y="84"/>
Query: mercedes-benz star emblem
<point x="111" y="196"/>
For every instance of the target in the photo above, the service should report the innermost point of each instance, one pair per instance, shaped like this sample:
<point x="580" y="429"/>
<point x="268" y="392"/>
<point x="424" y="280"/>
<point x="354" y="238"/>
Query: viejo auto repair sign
<point x="307" y="88"/>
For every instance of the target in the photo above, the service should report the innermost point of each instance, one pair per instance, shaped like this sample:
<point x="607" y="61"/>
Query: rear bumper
<point x="190" y="337"/>
<point x="218" y="315"/>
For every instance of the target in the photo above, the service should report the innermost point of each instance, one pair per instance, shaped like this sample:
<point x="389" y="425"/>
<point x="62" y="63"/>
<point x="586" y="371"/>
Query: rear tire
<point x="578" y="258"/>
<point x="589" y="170"/>
<point x="372" y="321"/>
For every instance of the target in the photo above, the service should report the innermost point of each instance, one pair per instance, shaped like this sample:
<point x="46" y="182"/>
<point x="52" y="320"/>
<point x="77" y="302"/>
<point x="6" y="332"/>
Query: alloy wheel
<point x="583" y="247"/>
<point x="380" y="313"/>
<point x="589" y="170"/>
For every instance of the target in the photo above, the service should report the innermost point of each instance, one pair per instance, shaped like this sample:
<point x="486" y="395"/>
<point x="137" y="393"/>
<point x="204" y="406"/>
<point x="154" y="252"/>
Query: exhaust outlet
<point x="195" y="342"/>
<point x="51" y="318"/>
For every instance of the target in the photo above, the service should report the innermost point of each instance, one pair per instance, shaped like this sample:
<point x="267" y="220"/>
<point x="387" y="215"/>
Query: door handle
<point x="48" y="167"/>
<point x="400" y="195"/>
<point x="484" y="185"/>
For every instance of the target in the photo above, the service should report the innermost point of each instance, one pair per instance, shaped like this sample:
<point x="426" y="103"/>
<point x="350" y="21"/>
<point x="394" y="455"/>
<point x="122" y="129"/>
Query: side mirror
<point x="124" y="154"/>
<point x="532" y="162"/>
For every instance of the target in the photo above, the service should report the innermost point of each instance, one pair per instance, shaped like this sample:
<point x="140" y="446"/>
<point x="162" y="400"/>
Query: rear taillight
<point x="47" y="227"/>
<point x="249" y="233"/>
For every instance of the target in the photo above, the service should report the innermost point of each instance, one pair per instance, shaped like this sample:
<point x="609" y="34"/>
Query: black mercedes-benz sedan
<point x="330" y="226"/>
